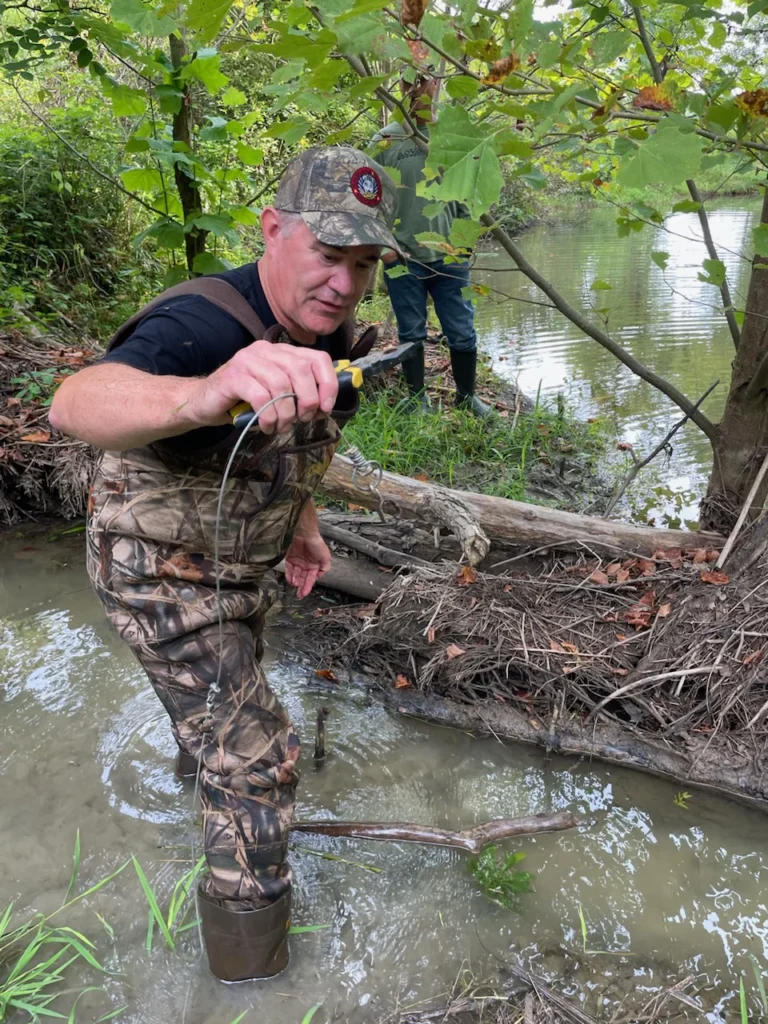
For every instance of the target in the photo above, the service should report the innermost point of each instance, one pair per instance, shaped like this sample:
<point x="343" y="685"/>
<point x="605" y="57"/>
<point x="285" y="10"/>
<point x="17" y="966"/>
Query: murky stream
<point x="85" y="745"/>
<point x="668" y="321"/>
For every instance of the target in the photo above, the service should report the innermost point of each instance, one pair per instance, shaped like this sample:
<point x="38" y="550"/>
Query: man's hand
<point x="307" y="559"/>
<point x="263" y="371"/>
<point x="389" y="256"/>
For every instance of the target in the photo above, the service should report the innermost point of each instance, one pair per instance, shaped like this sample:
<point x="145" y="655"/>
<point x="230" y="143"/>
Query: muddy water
<point x="84" y="744"/>
<point x="669" y="321"/>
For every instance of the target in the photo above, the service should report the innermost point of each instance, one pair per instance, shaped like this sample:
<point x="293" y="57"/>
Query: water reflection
<point x="666" y="319"/>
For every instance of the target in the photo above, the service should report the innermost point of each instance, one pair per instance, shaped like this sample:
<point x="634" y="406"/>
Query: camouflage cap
<point x="343" y="196"/>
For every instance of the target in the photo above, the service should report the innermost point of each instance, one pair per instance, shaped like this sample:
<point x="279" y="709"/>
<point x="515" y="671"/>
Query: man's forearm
<point x="117" y="407"/>
<point x="308" y="524"/>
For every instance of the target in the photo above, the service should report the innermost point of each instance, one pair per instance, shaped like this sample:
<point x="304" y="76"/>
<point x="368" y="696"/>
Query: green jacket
<point x="394" y="146"/>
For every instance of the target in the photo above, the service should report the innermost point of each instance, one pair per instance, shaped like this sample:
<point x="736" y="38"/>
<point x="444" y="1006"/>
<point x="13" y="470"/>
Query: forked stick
<point x="472" y="840"/>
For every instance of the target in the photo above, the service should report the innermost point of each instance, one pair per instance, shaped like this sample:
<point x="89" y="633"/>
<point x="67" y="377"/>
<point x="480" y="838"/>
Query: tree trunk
<point x="189" y="194"/>
<point x="742" y="441"/>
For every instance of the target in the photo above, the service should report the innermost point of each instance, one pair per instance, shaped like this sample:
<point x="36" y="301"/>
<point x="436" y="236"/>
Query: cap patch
<point x="366" y="186"/>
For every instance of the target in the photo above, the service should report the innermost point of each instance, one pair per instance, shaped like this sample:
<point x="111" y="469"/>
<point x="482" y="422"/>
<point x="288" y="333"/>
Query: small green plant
<point x="171" y="923"/>
<point x="310" y="1013"/>
<point x="681" y="800"/>
<point x="743" y="1003"/>
<point x="500" y="878"/>
<point x="39" y="385"/>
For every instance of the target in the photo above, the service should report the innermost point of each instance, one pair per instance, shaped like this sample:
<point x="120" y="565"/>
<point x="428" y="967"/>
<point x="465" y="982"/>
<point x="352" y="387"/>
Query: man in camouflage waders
<point x="158" y="405"/>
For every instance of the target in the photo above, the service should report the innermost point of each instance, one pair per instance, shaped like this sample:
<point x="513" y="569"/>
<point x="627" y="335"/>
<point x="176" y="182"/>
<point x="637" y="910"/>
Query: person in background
<point x="427" y="272"/>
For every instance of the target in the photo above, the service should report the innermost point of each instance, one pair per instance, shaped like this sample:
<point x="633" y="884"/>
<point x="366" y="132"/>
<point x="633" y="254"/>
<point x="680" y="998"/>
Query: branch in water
<point x="472" y="840"/>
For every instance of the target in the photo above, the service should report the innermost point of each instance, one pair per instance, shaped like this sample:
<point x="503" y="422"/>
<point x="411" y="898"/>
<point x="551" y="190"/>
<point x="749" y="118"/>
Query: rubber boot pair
<point x="245" y="945"/>
<point x="464" y="368"/>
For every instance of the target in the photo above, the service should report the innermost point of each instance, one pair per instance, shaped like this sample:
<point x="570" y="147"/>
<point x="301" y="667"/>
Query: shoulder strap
<point x="215" y="290"/>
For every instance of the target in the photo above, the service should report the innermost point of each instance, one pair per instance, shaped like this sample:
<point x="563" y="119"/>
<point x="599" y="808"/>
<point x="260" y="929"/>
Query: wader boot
<point x="464" y="367"/>
<point x="185" y="766"/>
<point x="413" y="371"/>
<point x="245" y="945"/>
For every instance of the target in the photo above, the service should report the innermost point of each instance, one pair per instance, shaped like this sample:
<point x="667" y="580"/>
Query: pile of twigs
<point x="525" y="999"/>
<point x="665" y="645"/>
<point x="41" y="472"/>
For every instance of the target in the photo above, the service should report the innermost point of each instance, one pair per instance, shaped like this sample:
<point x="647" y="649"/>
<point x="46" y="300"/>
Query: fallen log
<point x="373" y="549"/>
<point x="475" y="518"/>
<point x="354" y="576"/>
<point x="471" y="840"/>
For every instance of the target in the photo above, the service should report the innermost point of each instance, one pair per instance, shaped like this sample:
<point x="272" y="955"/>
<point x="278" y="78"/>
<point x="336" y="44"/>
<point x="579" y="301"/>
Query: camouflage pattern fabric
<point x="150" y="546"/>
<point x="344" y="197"/>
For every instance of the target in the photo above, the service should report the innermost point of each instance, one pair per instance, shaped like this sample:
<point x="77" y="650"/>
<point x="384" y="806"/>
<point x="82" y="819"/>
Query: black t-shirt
<point x="190" y="337"/>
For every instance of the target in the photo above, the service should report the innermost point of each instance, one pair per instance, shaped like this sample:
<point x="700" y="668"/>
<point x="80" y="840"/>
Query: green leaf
<point x="168" y="234"/>
<point x="462" y="87"/>
<point x="310" y="1013"/>
<point x="300" y="929"/>
<point x="216" y="223"/>
<point x="472" y="174"/>
<point x="610" y="45"/>
<point x="668" y="157"/>
<point x="295" y="46"/>
<point x="126" y="102"/>
<point x="175" y="275"/>
<point x="206" y="70"/>
<point x="510" y="143"/>
<point x="465" y="233"/>
<point x="205" y="17"/>
<point x="232" y="97"/>
<point x="142" y="179"/>
<point x="365" y="87"/>
<point x="548" y="54"/>
<point x="84" y="58"/>
<point x="292" y="131"/>
<point x="660" y="258"/>
<point x="686" y="206"/>
<point x="136" y="146"/>
<point x="718" y="35"/>
<point x="715" y="272"/>
<point x="141" y="18"/>
<point x="326" y="77"/>
<point x="760" y="238"/>
<point x="600" y="286"/>
<point x="359" y="8"/>
<point x="724" y="115"/>
<point x="250" y="155"/>
<point x="170" y="98"/>
<point x="207" y="263"/>
<point x="245" y="215"/>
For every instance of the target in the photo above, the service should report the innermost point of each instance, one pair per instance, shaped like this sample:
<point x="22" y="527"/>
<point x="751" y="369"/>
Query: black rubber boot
<point x="186" y="765"/>
<point x="464" y="367"/>
<point x="245" y="945"/>
<point x="413" y="371"/>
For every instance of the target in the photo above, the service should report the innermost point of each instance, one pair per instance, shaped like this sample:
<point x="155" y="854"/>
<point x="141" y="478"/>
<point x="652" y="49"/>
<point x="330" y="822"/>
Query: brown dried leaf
<point x="367" y="611"/>
<point x="613" y="568"/>
<point x="454" y="651"/>
<point x="712" y="555"/>
<point x="755" y="657"/>
<point x="556" y="646"/>
<point x="419" y="51"/>
<point x="664" y="610"/>
<point x="5" y="421"/>
<point x="599" y="577"/>
<point x="431" y="635"/>
<point x="402" y="682"/>
<point x="652" y="97"/>
<point x="423" y="477"/>
<point x="699" y="556"/>
<point x="624" y="446"/>
<point x="648" y="598"/>
<point x="646" y="566"/>
<point x="467" y="576"/>
<point x="502" y="69"/>
<point x="717" y="578"/>
<point x="412" y="11"/>
<point x="571" y="648"/>
<point x="355" y="508"/>
<point x="325" y="673"/>
<point x="622" y="575"/>
<point x="754" y="102"/>
<point x="639" y="616"/>
<point x="37" y="436"/>
<point x="620" y="671"/>
<point x="621" y="636"/>
<point x="508" y="588"/>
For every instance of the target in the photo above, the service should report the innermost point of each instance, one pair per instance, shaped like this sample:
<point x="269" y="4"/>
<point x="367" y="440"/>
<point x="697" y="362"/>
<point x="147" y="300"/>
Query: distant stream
<point x="676" y="332"/>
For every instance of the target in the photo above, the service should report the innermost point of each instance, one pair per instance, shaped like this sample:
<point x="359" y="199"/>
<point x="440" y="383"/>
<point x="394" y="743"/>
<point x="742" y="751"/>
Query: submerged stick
<point x="472" y="840"/>
<point x="322" y="714"/>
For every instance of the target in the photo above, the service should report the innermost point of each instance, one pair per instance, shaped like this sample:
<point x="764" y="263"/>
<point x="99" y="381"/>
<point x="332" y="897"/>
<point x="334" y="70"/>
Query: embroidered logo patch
<point x="366" y="186"/>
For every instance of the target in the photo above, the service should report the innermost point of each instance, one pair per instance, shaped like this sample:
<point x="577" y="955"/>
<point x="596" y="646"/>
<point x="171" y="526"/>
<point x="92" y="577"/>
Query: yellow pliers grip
<point x="349" y="376"/>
